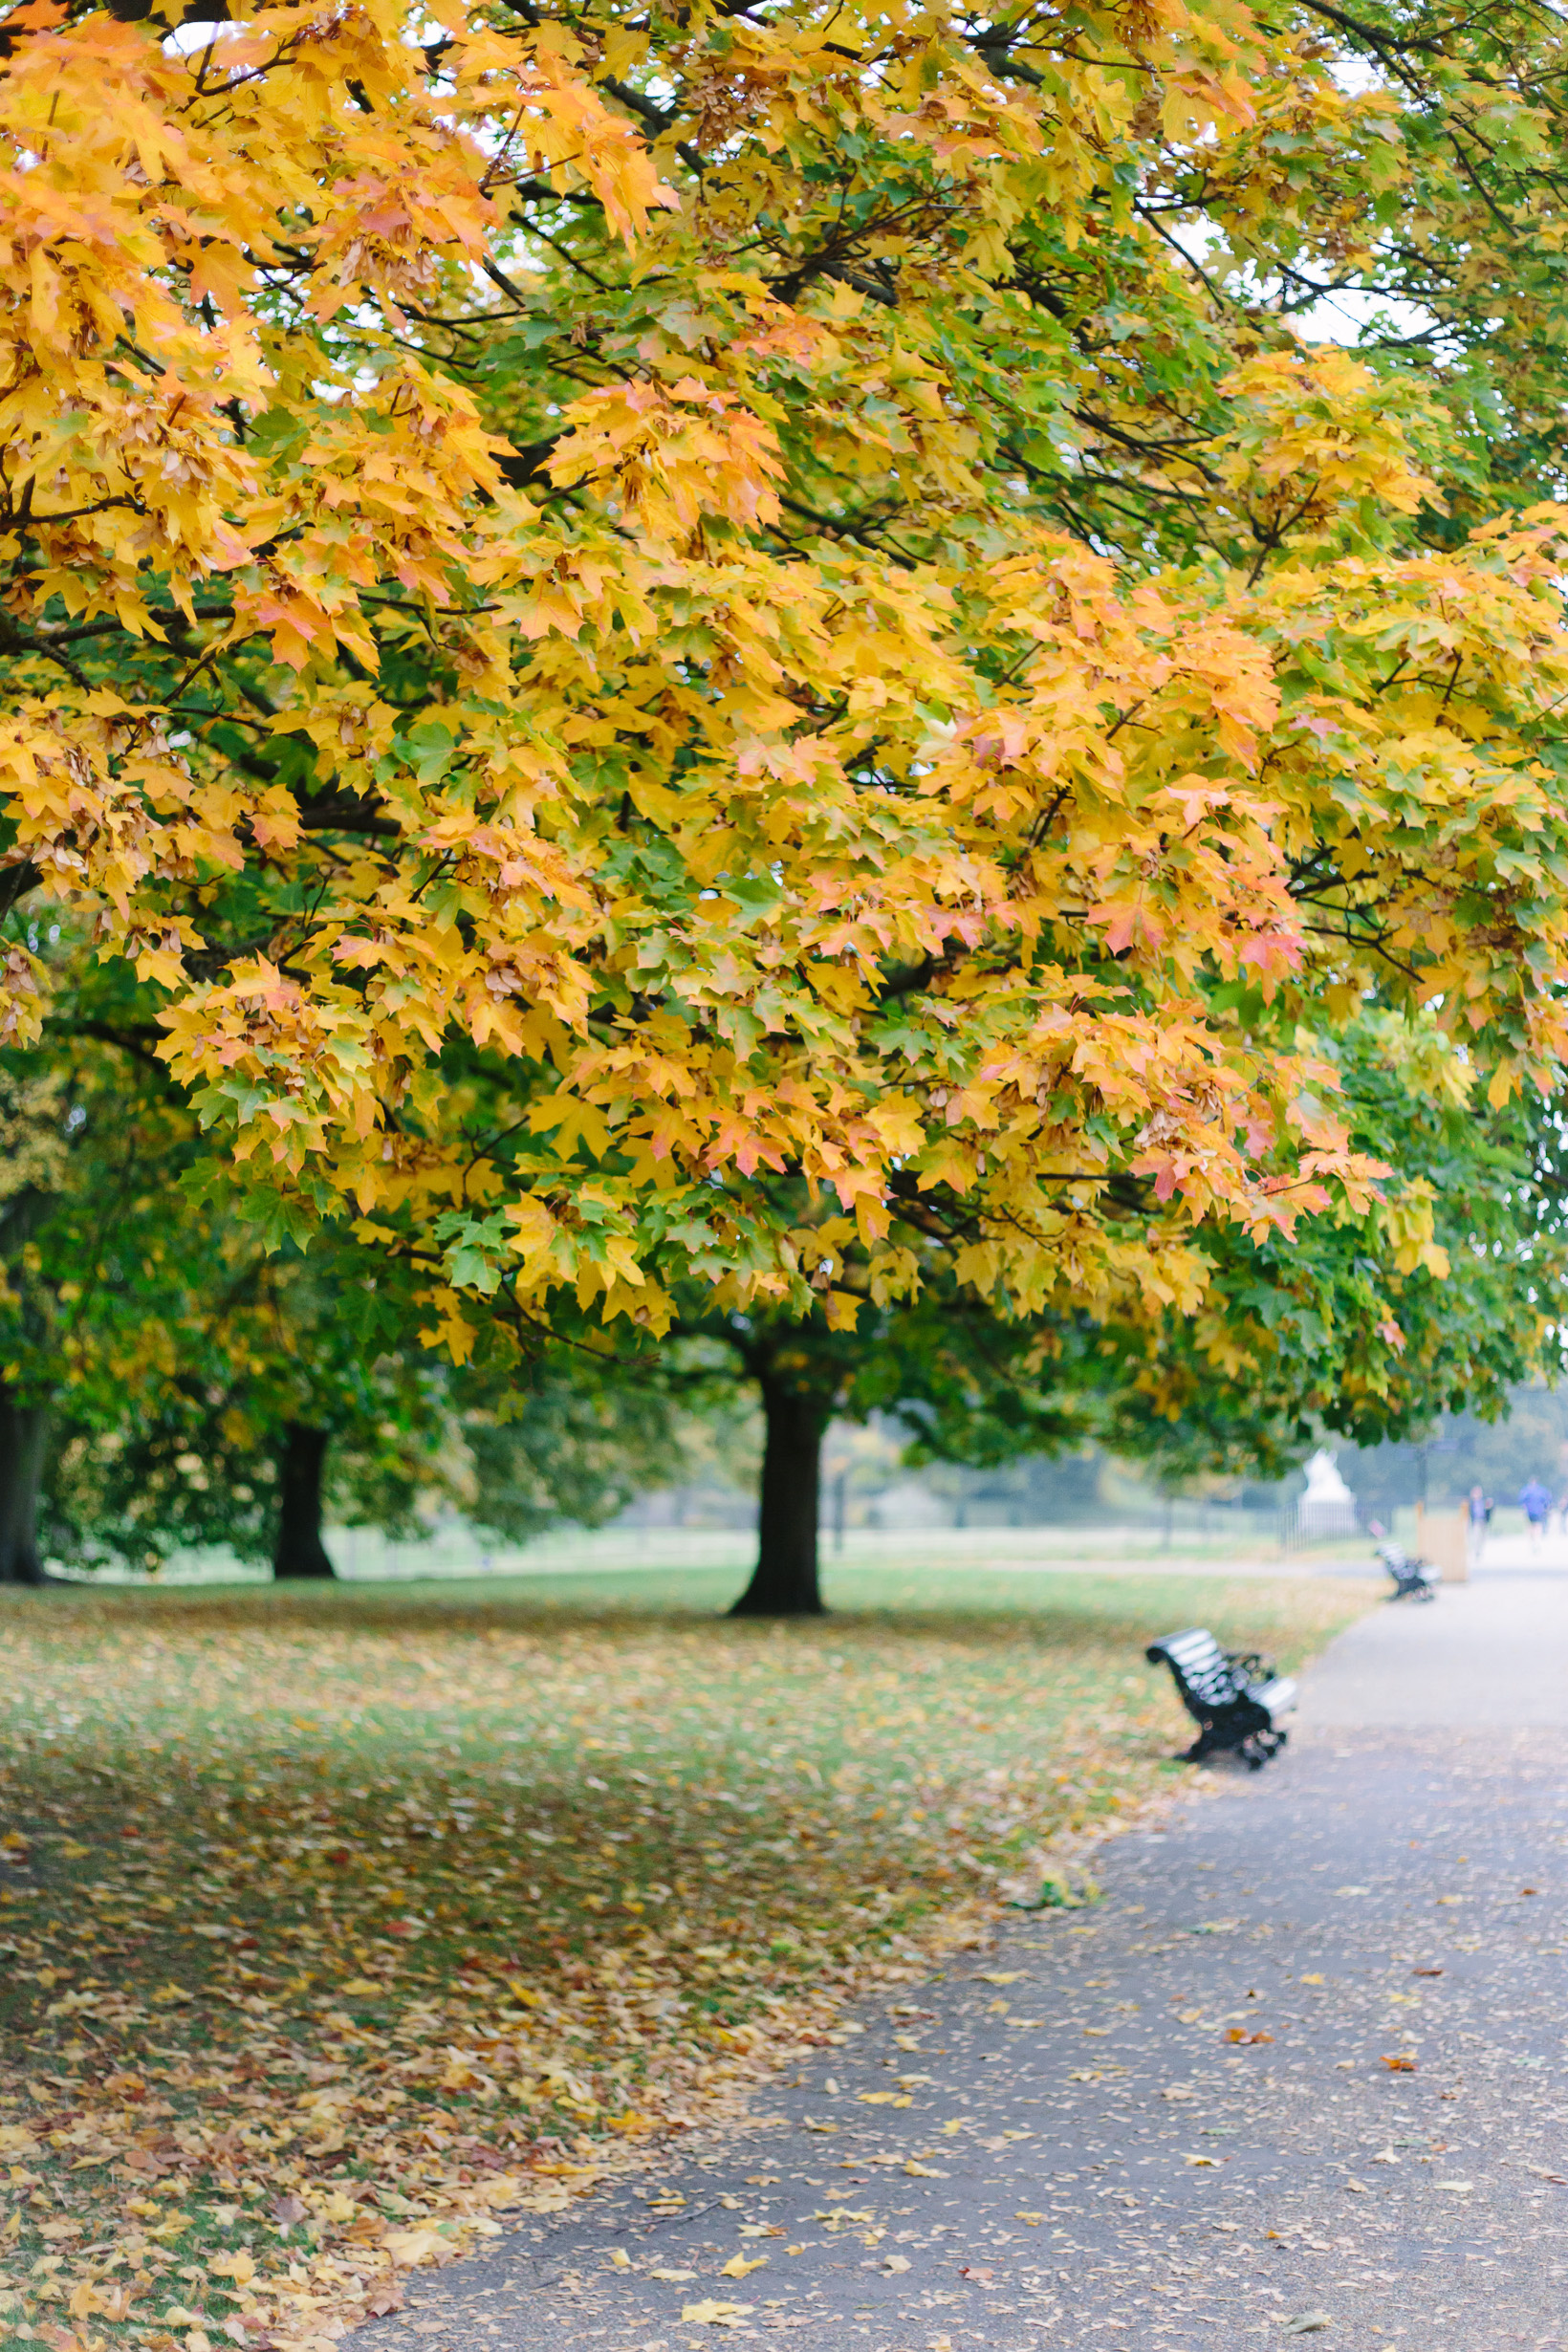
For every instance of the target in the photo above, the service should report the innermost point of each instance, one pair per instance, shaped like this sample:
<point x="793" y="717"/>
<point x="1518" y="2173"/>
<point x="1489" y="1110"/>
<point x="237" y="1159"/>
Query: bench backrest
<point x="1202" y="1670"/>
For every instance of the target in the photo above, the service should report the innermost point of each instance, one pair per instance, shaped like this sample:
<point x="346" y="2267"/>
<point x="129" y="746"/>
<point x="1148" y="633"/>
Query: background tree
<point x="294" y="1379"/>
<point x="303" y="1398"/>
<point x="104" y="1253"/>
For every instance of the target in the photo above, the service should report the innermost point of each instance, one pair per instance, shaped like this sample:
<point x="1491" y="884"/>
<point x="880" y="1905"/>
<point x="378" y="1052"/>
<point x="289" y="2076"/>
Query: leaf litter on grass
<point x="335" y="1926"/>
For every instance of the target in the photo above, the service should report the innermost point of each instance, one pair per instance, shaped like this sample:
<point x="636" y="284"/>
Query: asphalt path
<point x="1304" y="2072"/>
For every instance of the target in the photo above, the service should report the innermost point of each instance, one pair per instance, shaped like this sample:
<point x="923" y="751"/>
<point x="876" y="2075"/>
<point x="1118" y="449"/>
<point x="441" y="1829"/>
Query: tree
<point x="912" y="1361"/>
<point x="1366" y="1328"/>
<point x="1289" y="1346"/>
<point x="640" y="624"/>
<point x="33" y="1162"/>
<point x="560" y="1442"/>
<point x="288" y="1381"/>
<point x="101" y="1251"/>
<point x="297" y="1389"/>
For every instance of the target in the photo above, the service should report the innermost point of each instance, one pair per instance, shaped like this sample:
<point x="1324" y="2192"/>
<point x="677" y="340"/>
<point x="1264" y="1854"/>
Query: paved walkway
<point x="1173" y="2122"/>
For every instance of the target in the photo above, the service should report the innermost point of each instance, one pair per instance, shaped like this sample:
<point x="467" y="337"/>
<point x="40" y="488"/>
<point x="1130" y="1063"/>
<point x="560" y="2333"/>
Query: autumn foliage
<point x="636" y="622"/>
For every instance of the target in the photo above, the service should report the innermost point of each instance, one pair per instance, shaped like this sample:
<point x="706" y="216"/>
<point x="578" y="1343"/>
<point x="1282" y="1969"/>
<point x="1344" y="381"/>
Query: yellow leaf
<point x="409" y="2248"/>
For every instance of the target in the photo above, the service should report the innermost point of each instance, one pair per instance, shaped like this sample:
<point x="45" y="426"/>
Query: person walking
<point x="1534" y="1502"/>
<point x="1477" y="1512"/>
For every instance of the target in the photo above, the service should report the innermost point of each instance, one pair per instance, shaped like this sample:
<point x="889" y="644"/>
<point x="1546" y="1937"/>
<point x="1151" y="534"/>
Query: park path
<point x="1090" y="2156"/>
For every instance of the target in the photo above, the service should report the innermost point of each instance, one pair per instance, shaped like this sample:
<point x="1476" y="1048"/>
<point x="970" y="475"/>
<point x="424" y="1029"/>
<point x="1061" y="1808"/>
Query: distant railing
<point x="1303" y="1524"/>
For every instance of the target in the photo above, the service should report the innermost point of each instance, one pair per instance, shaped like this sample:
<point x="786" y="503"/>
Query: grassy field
<point x="453" y="1550"/>
<point x="333" y="1923"/>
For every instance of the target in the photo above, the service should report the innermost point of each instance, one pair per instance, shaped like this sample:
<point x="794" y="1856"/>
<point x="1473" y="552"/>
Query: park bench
<point x="1235" y="1700"/>
<point x="1414" y="1579"/>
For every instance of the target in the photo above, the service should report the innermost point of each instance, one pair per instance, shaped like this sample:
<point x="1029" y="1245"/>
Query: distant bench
<point x="1236" y="1701"/>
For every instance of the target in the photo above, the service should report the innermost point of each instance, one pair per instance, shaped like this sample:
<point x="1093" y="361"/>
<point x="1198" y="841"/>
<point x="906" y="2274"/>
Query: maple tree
<point x="1294" y="1338"/>
<point x="630" y="619"/>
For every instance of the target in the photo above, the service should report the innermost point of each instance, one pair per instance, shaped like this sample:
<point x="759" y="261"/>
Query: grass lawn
<point x="333" y="1923"/>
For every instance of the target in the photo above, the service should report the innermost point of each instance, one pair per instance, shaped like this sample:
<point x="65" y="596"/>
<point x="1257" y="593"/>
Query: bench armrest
<point x="1277" y="1697"/>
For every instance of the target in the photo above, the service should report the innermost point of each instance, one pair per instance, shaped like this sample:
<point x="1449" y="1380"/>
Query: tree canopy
<point x="627" y="616"/>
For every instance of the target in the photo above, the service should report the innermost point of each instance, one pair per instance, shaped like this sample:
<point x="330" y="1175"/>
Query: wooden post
<point x="1442" y="1538"/>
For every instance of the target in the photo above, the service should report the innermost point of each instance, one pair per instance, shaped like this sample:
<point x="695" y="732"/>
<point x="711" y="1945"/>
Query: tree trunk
<point x="299" y="1551"/>
<point x="24" y="1430"/>
<point x="784" y="1582"/>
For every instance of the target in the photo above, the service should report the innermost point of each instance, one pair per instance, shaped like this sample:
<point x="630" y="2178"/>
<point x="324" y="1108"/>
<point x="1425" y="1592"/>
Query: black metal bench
<point x="1237" y="1700"/>
<point x="1414" y="1579"/>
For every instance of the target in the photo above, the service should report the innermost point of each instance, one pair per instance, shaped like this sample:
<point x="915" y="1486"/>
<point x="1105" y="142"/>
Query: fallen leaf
<point x="673" y="2279"/>
<point x="716" y="2315"/>
<point x="1400" y="2065"/>
<point x="738" y="2267"/>
<point x="409" y="2248"/>
<point x="1460" y="2188"/>
<point x="1308" y="2323"/>
<point x="1425" y="1972"/>
<point x="468" y="2069"/>
<point x="1034" y="2219"/>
